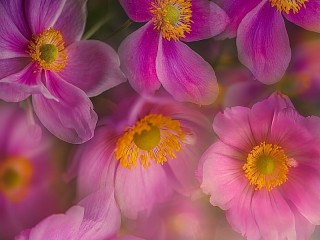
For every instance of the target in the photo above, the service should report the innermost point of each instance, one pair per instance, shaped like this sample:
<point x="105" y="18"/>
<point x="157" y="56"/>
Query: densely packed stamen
<point x="47" y="50"/>
<point x="288" y="5"/>
<point x="155" y="137"/>
<point x="172" y="18"/>
<point x="15" y="177"/>
<point x="266" y="166"/>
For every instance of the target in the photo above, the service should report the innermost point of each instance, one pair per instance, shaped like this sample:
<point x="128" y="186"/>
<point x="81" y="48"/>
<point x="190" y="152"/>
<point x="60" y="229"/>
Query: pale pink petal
<point x="138" y="59"/>
<point x="71" y="118"/>
<point x="185" y="74"/>
<point x="263" y="44"/>
<point x="208" y="20"/>
<point x="93" y="66"/>
<point x="137" y="10"/>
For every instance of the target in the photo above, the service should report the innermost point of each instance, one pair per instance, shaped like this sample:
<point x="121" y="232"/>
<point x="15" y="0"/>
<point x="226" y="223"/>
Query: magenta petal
<point x="72" y="20"/>
<point x="137" y="10"/>
<point x="208" y="20"/>
<point x="308" y="17"/>
<point x="93" y="66"/>
<point x="42" y="14"/>
<point x="263" y="44"/>
<point x="138" y="58"/>
<point x="72" y="118"/>
<point x="12" y="93"/>
<point x="185" y="74"/>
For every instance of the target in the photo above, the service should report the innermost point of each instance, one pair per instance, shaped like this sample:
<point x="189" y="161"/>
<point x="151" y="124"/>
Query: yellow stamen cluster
<point x="266" y="166"/>
<point x="154" y="137"/>
<point x="47" y="50"/>
<point x="15" y="177"/>
<point x="172" y="18"/>
<point x="288" y="5"/>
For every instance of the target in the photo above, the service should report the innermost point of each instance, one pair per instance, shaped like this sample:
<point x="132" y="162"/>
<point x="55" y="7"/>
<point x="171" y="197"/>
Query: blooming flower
<point x="264" y="171"/>
<point x="146" y="154"/>
<point x="154" y="55"/>
<point x="41" y="55"/>
<point x="25" y="173"/>
<point x="262" y="39"/>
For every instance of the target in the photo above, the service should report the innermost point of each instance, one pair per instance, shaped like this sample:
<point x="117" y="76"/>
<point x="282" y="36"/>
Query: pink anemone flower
<point x="26" y="173"/>
<point x="41" y="55"/>
<point x="262" y="40"/>
<point x="155" y="55"/>
<point x="146" y="154"/>
<point x="265" y="170"/>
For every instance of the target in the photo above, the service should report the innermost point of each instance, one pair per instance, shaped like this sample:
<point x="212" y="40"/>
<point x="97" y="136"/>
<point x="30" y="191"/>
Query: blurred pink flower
<point x="155" y="55"/>
<point x="41" y="55"/>
<point x="146" y="151"/>
<point x="26" y="173"/>
<point x="265" y="170"/>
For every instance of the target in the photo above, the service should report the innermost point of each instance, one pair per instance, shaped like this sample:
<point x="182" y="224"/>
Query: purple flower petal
<point x="42" y="14"/>
<point x="185" y="74"/>
<point x="308" y="17"/>
<point x="208" y="20"/>
<point x="12" y="65"/>
<point x="137" y="10"/>
<point x="72" y="118"/>
<point x="72" y="20"/>
<point x="12" y="93"/>
<point x="93" y="66"/>
<point x="263" y="44"/>
<point x="138" y="58"/>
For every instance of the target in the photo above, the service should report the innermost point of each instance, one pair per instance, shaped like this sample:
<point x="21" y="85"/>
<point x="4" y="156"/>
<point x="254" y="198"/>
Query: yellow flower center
<point x="288" y="5"/>
<point x="15" y="177"/>
<point x="47" y="50"/>
<point x="172" y="18"/>
<point x="155" y="137"/>
<point x="266" y="166"/>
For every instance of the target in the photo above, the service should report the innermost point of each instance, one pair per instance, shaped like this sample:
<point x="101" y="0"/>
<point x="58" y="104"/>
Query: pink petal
<point x="42" y="14"/>
<point x="12" y="93"/>
<point x="93" y="66"/>
<point x="137" y="10"/>
<point x="72" y="20"/>
<point x="263" y="44"/>
<point x="308" y="17"/>
<point x="72" y="118"/>
<point x="208" y="20"/>
<point x="138" y="58"/>
<point x="185" y="74"/>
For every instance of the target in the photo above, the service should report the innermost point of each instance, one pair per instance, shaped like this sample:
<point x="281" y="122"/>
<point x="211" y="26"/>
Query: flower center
<point x="288" y="5"/>
<point x="47" y="50"/>
<point x="172" y="18"/>
<point x="266" y="166"/>
<point x="154" y="137"/>
<point x="15" y="177"/>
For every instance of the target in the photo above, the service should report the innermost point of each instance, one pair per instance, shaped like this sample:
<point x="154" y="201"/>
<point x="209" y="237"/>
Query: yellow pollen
<point x="154" y="137"/>
<point x="47" y="50"/>
<point x="15" y="177"/>
<point x="288" y="5"/>
<point x="172" y="18"/>
<point x="266" y="166"/>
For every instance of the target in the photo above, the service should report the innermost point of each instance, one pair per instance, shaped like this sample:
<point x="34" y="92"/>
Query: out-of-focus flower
<point x="154" y="55"/>
<point x="265" y="170"/>
<point x="25" y="173"/>
<point x="41" y="55"/>
<point x="146" y="154"/>
<point x="262" y="39"/>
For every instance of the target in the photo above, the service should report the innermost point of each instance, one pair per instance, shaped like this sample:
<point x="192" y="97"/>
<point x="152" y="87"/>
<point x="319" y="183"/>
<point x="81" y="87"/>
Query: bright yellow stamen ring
<point x="266" y="166"/>
<point x="172" y="18"/>
<point x="154" y="137"/>
<point x="47" y="50"/>
<point x="288" y="5"/>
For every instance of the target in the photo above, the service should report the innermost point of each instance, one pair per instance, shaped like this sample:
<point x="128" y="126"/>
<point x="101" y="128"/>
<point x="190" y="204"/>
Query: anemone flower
<point x="41" y="55"/>
<point x="155" y="55"/>
<point x="26" y="173"/>
<point x="262" y="39"/>
<point x="145" y="154"/>
<point x="265" y="170"/>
